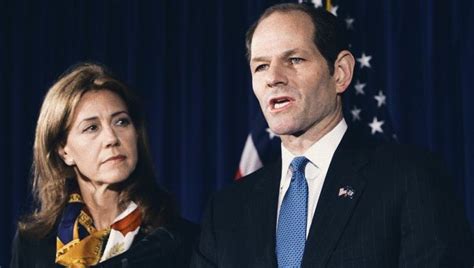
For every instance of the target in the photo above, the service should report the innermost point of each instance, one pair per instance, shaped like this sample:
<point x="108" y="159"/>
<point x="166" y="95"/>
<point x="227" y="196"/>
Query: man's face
<point x="290" y="77"/>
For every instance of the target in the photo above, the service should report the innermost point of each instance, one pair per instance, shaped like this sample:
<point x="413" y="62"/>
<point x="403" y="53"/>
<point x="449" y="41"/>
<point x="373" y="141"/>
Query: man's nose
<point x="276" y="75"/>
<point x="110" y="137"/>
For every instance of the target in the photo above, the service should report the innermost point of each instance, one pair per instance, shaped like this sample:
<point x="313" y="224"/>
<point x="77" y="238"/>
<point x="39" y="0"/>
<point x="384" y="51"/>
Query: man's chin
<point x="287" y="129"/>
<point x="282" y="130"/>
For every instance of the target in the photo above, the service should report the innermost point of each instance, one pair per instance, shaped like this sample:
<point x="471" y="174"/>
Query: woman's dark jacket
<point x="164" y="247"/>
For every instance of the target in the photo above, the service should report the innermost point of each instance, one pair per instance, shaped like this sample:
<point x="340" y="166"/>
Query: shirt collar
<point x="321" y="152"/>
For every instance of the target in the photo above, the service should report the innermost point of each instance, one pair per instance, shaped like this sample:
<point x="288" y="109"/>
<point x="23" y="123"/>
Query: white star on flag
<point x="380" y="98"/>
<point x="376" y="126"/>
<point x="349" y="23"/>
<point x="359" y="87"/>
<point x="364" y="61"/>
<point x="317" y="3"/>
<point x="334" y="10"/>
<point x="355" y="113"/>
<point x="271" y="135"/>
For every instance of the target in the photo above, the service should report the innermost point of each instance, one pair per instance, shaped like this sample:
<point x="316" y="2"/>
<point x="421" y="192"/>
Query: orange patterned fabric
<point x="80" y="244"/>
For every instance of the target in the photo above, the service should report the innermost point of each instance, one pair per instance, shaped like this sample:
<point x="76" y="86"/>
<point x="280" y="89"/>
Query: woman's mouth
<point x="115" y="159"/>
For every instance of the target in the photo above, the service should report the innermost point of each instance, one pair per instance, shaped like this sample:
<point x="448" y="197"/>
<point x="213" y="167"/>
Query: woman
<point x="96" y="199"/>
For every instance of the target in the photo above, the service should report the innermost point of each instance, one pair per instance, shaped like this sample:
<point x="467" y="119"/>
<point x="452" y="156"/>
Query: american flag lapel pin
<point x="346" y="191"/>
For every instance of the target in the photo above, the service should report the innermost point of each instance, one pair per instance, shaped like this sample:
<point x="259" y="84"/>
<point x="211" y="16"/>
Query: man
<point x="333" y="200"/>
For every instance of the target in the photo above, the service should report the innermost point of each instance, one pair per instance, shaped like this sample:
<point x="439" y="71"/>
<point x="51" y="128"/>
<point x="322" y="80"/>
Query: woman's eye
<point x="90" y="128"/>
<point x="123" y="122"/>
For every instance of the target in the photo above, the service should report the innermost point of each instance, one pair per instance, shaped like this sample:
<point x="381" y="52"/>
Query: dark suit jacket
<point x="403" y="214"/>
<point x="170" y="247"/>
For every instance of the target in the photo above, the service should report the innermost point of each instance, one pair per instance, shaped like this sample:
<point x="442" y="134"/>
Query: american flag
<point x="365" y="101"/>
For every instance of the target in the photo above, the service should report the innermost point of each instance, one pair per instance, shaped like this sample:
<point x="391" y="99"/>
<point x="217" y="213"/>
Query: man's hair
<point x="329" y="33"/>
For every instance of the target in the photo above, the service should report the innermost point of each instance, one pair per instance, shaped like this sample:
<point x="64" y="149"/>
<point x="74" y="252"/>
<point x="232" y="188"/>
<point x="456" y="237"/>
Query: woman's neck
<point x="102" y="203"/>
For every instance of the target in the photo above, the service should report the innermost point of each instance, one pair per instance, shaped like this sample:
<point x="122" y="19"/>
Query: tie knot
<point x="299" y="163"/>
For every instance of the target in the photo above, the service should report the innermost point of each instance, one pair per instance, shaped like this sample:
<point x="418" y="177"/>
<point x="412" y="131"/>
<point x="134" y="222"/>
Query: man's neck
<point x="299" y="144"/>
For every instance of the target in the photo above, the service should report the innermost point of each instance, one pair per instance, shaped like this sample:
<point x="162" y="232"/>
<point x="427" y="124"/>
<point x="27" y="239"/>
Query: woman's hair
<point x="53" y="180"/>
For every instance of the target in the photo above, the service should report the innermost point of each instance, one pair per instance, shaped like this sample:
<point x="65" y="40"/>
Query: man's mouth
<point x="280" y="103"/>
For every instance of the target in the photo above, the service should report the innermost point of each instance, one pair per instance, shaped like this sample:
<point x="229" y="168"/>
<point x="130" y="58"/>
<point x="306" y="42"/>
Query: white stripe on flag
<point x="250" y="161"/>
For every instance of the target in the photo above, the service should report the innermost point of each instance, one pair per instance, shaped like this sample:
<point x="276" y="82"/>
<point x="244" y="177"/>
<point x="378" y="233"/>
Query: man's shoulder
<point x="404" y="155"/>
<point x="401" y="164"/>
<point x="392" y="148"/>
<point x="390" y="152"/>
<point x="256" y="180"/>
<point x="390" y="159"/>
<point x="236" y="199"/>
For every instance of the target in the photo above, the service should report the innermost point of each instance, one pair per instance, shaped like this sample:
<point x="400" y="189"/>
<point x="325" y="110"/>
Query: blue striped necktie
<point x="291" y="230"/>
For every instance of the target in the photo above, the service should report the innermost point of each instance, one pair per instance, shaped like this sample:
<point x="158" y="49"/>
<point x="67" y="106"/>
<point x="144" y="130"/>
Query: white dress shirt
<point x="319" y="155"/>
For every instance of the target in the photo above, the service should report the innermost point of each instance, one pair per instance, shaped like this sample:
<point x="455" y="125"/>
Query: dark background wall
<point x="185" y="59"/>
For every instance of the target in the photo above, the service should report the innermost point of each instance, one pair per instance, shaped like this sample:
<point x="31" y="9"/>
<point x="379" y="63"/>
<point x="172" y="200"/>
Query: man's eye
<point x="123" y="122"/>
<point x="296" y="60"/>
<point x="90" y="128"/>
<point x="261" y="67"/>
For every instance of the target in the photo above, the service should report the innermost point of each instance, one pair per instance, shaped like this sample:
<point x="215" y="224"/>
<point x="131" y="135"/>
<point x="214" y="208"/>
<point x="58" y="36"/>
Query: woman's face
<point x="102" y="142"/>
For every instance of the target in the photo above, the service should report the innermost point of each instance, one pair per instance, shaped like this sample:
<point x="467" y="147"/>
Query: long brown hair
<point x="53" y="180"/>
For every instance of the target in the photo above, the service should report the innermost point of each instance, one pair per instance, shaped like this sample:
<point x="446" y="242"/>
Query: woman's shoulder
<point x="166" y="246"/>
<point x="28" y="251"/>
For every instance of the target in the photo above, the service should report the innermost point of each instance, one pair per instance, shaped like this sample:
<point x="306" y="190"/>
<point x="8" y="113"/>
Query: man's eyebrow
<point x="257" y="59"/>
<point x="284" y="55"/>
<point x="291" y="51"/>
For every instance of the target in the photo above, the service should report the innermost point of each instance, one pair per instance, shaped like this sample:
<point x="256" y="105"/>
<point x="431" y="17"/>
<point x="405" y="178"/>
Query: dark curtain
<point x="186" y="61"/>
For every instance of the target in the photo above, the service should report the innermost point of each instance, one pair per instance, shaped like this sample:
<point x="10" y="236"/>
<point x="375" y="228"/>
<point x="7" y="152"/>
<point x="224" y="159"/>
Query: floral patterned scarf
<point x="80" y="244"/>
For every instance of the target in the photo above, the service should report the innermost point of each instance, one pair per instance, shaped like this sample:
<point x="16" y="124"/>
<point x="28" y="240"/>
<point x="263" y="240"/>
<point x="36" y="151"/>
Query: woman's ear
<point x="343" y="70"/>
<point x="67" y="158"/>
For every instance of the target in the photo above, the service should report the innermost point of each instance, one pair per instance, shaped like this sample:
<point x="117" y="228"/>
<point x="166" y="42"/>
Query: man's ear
<point x="67" y="158"/>
<point x="343" y="70"/>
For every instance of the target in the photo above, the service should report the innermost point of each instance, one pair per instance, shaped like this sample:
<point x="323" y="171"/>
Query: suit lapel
<point x="335" y="208"/>
<point x="262" y="207"/>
